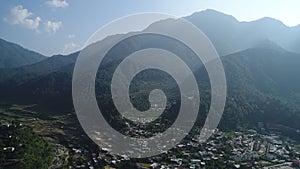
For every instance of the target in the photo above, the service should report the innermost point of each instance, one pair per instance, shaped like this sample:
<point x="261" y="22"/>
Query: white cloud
<point x="70" y="47"/>
<point x="58" y="3"/>
<point x="52" y="27"/>
<point x="21" y="16"/>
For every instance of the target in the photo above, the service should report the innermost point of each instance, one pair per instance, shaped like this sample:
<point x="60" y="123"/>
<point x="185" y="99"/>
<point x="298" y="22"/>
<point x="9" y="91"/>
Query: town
<point x="260" y="147"/>
<point x="240" y="149"/>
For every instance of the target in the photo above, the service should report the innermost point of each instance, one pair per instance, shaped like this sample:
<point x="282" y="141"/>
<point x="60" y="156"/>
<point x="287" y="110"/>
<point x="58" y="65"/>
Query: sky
<point x="63" y="26"/>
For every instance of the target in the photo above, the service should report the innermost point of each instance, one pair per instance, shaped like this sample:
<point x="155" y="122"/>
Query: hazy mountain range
<point x="229" y="35"/>
<point x="261" y="60"/>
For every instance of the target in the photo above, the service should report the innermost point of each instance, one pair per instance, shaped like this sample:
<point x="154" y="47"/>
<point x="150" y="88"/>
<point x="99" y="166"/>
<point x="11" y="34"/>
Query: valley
<point x="259" y="127"/>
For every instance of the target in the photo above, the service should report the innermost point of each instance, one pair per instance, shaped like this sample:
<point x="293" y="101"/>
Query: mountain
<point x="47" y="84"/>
<point x="262" y="75"/>
<point x="262" y="85"/>
<point x="230" y="36"/>
<point x="42" y="68"/>
<point x="268" y="45"/>
<point x="13" y="55"/>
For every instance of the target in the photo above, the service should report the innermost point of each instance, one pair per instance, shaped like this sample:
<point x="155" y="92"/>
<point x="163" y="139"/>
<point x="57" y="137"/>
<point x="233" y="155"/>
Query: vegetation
<point x="257" y="92"/>
<point x="13" y="55"/>
<point x="30" y="151"/>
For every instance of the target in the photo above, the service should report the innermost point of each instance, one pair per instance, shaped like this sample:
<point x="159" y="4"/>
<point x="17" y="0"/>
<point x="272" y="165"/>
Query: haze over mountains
<point x="229" y="35"/>
<point x="260" y="58"/>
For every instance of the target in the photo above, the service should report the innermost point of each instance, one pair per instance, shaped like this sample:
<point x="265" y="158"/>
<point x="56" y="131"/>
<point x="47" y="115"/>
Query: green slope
<point x="13" y="55"/>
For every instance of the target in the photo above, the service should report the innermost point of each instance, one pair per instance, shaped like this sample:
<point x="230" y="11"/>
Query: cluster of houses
<point x="262" y="150"/>
<point x="247" y="149"/>
<point x="6" y="147"/>
<point x="235" y="150"/>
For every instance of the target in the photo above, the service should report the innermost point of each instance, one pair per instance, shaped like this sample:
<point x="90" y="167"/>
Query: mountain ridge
<point x="250" y="80"/>
<point x="13" y="55"/>
<point x="262" y="81"/>
<point x="230" y="35"/>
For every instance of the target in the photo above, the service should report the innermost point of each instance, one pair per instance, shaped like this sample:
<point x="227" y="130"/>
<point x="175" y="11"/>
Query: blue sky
<point x="63" y="26"/>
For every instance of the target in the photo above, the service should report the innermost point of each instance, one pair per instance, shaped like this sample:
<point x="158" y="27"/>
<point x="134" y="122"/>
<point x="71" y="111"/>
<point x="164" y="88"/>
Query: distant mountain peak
<point x="230" y="35"/>
<point x="213" y="13"/>
<point x="270" y="21"/>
